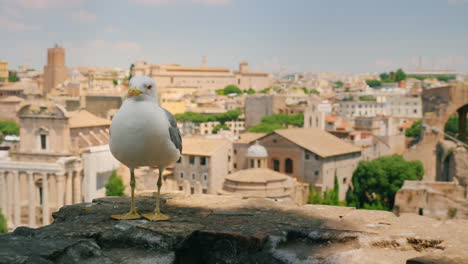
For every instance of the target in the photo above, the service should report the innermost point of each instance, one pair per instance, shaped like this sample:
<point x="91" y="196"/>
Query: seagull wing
<point x="174" y="132"/>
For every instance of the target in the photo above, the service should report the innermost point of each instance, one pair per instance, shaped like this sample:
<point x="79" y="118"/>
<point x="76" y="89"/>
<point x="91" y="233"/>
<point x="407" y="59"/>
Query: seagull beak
<point x="133" y="92"/>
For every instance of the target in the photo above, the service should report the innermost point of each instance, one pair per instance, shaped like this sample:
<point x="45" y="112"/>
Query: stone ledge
<point x="220" y="229"/>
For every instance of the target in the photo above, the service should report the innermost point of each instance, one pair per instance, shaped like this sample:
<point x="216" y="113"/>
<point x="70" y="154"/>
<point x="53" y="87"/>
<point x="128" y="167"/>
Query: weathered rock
<point x="220" y="229"/>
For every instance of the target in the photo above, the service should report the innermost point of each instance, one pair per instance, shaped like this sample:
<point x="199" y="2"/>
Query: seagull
<point x="142" y="133"/>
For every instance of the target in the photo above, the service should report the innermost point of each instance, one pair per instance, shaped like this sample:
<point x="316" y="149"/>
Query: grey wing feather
<point x="174" y="132"/>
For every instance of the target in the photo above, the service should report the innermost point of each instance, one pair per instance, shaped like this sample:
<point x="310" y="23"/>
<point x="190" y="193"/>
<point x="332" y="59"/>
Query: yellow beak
<point x="133" y="92"/>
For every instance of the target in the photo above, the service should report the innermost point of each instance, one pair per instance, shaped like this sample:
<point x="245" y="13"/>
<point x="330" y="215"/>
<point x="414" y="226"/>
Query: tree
<point x="375" y="183"/>
<point x="265" y="127"/>
<point x="400" y="75"/>
<point x="115" y="186"/>
<point x="266" y="90"/>
<point x="219" y="127"/>
<point x="374" y="83"/>
<point x="314" y="91"/>
<point x="232" y="89"/>
<point x="338" y="84"/>
<point x="115" y="82"/>
<point x="329" y="197"/>
<point x="130" y="72"/>
<point x="9" y="128"/>
<point x="12" y="77"/>
<point x="3" y="223"/>
<point x="451" y="127"/>
<point x="250" y="91"/>
<point x="414" y="130"/>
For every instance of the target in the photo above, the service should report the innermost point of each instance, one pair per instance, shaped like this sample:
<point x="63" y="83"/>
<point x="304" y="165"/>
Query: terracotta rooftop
<point x="249" y="137"/>
<point x="332" y="118"/>
<point x="11" y="99"/>
<point x="202" y="146"/>
<point x="318" y="141"/>
<point x="83" y="118"/>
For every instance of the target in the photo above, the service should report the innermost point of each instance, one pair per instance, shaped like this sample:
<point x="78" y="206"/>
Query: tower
<point x="243" y="66"/>
<point x="55" y="72"/>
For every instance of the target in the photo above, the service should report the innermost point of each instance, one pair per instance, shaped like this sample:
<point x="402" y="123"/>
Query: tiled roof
<point x="259" y="175"/>
<point x="83" y="118"/>
<point x="317" y="141"/>
<point x="249" y="137"/>
<point x="202" y="146"/>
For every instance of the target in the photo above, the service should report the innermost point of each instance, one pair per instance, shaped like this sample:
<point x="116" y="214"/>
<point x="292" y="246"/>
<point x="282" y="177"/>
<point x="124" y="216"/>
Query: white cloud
<point x="127" y="46"/>
<point x="16" y="26"/>
<point x="454" y="2"/>
<point x="212" y="2"/>
<point x="112" y="30"/>
<point x="164" y="2"/>
<point x="45" y="4"/>
<point x="83" y="16"/>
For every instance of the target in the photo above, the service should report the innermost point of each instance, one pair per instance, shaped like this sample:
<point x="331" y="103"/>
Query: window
<point x="317" y="173"/>
<point x="203" y="161"/>
<point x="235" y="152"/>
<point x="205" y="177"/>
<point x="192" y="160"/>
<point x="258" y="163"/>
<point x="317" y="157"/>
<point x="229" y="158"/>
<point x="205" y="191"/>
<point x="192" y="190"/>
<point x="276" y="165"/>
<point x="235" y="165"/>
<point x="181" y="188"/>
<point x="193" y="176"/>
<point x="307" y="156"/>
<point x="288" y="166"/>
<point x="251" y="163"/>
<point x="181" y="175"/>
<point x="274" y="141"/>
<point x="344" y="180"/>
<point x="43" y="141"/>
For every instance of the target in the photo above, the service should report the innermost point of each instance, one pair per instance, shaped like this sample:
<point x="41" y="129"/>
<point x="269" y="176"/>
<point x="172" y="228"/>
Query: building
<point x="61" y="159"/>
<point x="361" y="108"/>
<point x="409" y="107"/>
<point x="260" y="182"/>
<point x="3" y="71"/>
<point x="55" y="72"/>
<point x="176" y="77"/>
<point x="10" y="106"/>
<point x="311" y="155"/>
<point x="204" y="165"/>
<point x="315" y="113"/>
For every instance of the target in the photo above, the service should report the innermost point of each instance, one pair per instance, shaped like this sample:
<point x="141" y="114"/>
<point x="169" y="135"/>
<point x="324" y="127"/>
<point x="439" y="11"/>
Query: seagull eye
<point x="149" y="87"/>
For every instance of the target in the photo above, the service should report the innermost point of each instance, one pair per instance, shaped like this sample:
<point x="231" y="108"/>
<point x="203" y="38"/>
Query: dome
<point x="257" y="151"/>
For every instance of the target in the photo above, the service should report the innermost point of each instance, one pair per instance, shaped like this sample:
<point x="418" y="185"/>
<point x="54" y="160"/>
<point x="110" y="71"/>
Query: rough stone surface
<point x="221" y="229"/>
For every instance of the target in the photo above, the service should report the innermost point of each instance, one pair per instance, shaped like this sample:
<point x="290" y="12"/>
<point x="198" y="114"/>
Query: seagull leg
<point x="157" y="215"/>
<point x="133" y="213"/>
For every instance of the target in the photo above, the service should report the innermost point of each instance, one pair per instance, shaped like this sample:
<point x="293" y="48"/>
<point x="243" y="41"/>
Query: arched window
<point x="276" y="165"/>
<point x="288" y="166"/>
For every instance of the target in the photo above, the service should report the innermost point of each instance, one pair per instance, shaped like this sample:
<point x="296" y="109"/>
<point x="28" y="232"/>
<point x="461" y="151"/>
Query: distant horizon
<point x="335" y="36"/>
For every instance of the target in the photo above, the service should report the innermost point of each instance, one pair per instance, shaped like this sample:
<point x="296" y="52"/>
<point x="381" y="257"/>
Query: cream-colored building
<point x="59" y="160"/>
<point x="204" y="165"/>
<point x="3" y="71"/>
<point x="310" y="155"/>
<point x="9" y="106"/>
<point x="260" y="182"/>
<point x="175" y="76"/>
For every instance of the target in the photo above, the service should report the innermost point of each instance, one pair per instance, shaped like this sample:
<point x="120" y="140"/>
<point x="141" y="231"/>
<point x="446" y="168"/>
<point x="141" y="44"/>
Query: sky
<point x="348" y="36"/>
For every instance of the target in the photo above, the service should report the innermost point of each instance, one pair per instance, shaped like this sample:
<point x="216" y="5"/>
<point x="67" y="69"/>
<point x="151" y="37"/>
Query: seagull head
<point x="142" y="87"/>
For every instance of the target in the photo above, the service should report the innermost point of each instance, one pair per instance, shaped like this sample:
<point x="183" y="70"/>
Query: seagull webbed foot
<point x="156" y="216"/>
<point x="128" y="216"/>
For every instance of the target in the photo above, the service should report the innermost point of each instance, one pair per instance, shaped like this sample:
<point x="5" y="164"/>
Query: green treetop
<point x="9" y="128"/>
<point x="115" y="186"/>
<point x="3" y="223"/>
<point x="375" y="183"/>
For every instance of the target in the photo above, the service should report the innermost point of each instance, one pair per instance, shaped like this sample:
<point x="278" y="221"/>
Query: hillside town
<point x="299" y="137"/>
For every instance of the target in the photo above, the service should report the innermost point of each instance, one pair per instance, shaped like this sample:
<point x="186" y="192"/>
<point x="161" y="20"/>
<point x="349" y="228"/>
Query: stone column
<point x="68" y="188"/>
<point x="60" y="178"/>
<point x="9" y="190"/>
<point x="3" y="192"/>
<point x="32" y="201"/>
<point x="16" y="199"/>
<point x="77" y="187"/>
<point x="45" y="199"/>
<point x="462" y="122"/>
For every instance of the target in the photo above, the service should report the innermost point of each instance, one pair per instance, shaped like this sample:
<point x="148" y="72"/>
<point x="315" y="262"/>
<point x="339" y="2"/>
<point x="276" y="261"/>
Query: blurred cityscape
<point x="301" y="137"/>
<point x="345" y="103"/>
